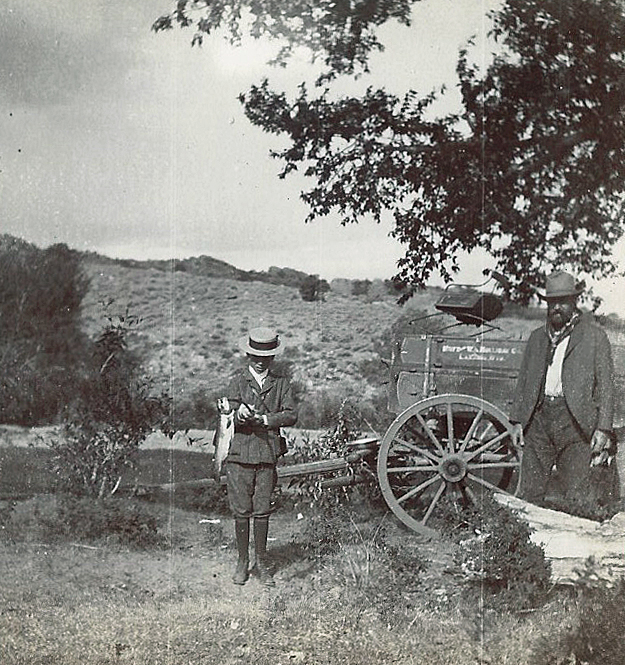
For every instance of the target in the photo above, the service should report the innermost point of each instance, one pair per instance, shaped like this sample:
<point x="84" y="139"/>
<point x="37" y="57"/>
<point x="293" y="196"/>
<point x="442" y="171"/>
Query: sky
<point x="133" y="144"/>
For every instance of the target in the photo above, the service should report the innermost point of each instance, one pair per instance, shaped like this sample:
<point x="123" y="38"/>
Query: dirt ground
<point x="101" y="594"/>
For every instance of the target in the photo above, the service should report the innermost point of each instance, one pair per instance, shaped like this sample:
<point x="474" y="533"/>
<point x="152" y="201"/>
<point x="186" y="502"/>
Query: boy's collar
<point x="256" y="375"/>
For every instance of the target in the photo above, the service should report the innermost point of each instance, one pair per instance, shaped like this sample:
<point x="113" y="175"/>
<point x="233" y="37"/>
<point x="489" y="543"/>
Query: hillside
<point x="194" y="311"/>
<point x="204" y="266"/>
<point x="191" y="324"/>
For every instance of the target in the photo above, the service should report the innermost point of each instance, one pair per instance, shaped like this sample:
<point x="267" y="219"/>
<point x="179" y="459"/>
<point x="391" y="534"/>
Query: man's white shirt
<point x="553" y="380"/>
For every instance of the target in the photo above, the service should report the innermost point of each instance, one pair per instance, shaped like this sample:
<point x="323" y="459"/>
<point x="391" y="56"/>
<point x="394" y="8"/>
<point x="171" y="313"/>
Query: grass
<point x="70" y="603"/>
<point x="357" y="588"/>
<point x="25" y="471"/>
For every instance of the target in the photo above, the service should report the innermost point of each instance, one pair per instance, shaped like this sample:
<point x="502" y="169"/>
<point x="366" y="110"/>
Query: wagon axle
<point x="453" y="468"/>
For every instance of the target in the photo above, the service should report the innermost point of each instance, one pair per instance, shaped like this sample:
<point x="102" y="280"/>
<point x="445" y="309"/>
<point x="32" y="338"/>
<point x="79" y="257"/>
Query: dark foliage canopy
<point x="531" y="168"/>
<point x="41" y="341"/>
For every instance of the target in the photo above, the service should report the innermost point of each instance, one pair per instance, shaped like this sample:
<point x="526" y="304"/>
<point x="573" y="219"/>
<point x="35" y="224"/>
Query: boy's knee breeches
<point x="249" y="488"/>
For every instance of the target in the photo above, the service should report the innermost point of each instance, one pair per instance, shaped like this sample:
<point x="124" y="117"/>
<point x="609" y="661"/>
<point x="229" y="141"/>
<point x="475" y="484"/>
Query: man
<point x="564" y="402"/>
<point x="263" y="403"/>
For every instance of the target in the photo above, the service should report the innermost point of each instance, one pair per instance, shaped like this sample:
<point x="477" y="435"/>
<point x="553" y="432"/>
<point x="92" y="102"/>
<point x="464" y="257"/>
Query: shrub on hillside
<point x="318" y="409"/>
<point x="321" y="409"/>
<point x="312" y="288"/>
<point x="360" y="287"/>
<point x="197" y="410"/>
<point x="374" y="370"/>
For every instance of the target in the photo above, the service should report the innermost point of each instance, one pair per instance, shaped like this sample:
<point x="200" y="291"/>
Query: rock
<point x="568" y="541"/>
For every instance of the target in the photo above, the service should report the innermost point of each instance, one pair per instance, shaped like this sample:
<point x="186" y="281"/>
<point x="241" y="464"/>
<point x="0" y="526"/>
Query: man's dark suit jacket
<point x="587" y="377"/>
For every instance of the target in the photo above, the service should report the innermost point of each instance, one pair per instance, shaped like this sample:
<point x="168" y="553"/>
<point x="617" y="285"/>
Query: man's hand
<point x="600" y="441"/>
<point x="601" y="444"/>
<point x="517" y="435"/>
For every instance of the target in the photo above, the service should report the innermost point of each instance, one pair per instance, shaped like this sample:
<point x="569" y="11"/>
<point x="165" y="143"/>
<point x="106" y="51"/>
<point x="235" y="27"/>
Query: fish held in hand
<point x="223" y="433"/>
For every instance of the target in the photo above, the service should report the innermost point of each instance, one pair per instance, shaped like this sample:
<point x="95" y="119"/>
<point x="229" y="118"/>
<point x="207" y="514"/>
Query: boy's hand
<point x="257" y="420"/>
<point x="245" y="413"/>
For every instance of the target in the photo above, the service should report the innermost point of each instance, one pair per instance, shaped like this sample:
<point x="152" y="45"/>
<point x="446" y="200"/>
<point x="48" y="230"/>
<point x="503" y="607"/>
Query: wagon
<point x="451" y="439"/>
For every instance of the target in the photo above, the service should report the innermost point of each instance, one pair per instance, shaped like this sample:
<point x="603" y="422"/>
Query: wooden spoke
<point x="488" y="444"/>
<point x="405" y="469"/>
<point x="450" y="428"/>
<point x="429" y="432"/>
<point x="494" y="465"/>
<point x="434" y="501"/>
<point x="419" y="451"/>
<point x="471" y="432"/>
<point x="481" y="481"/>
<point x="471" y="494"/>
<point x="487" y="431"/>
<point x="418" y="488"/>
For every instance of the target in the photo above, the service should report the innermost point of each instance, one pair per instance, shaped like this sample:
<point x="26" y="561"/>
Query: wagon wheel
<point x="456" y="446"/>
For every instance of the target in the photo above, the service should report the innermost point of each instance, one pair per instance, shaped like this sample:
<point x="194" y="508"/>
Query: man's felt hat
<point x="561" y="284"/>
<point x="260" y="342"/>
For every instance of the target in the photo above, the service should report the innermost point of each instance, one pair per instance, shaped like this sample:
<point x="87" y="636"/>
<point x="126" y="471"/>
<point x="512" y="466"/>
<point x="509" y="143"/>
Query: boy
<point x="263" y="403"/>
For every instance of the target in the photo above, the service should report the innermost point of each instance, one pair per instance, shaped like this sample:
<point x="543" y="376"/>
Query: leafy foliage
<point x="530" y="168"/>
<point x="41" y="343"/>
<point x="324" y="493"/>
<point x="115" y="412"/>
<point x="496" y="554"/>
<point x="342" y="33"/>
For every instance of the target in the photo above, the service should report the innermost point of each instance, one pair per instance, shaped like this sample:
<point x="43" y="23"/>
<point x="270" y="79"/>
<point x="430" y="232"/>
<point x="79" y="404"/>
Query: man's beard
<point x="558" y="321"/>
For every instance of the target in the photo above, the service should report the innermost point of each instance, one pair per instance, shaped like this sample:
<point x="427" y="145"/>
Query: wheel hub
<point x="453" y="468"/>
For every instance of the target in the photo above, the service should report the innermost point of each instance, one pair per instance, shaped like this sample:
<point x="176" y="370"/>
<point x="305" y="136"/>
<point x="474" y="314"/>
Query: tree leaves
<point x="532" y="169"/>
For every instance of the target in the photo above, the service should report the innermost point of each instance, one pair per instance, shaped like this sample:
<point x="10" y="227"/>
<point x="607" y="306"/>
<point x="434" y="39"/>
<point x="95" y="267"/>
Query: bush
<point x="196" y="411"/>
<point x="328" y="503"/>
<point x="597" y="638"/>
<point x="115" y="520"/>
<point x="42" y="346"/>
<point x="313" y="288"/>
<point x="104" y="428"/>
<point x="360" y="287"/>
<point x="496" y="554"/>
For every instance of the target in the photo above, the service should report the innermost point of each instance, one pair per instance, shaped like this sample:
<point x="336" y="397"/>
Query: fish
<point x="223" y="433"/>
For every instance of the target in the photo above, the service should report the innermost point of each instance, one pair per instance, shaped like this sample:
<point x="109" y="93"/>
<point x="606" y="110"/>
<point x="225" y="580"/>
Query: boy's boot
<point x="261" y="528"/>
<point x="242" y="532"/>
